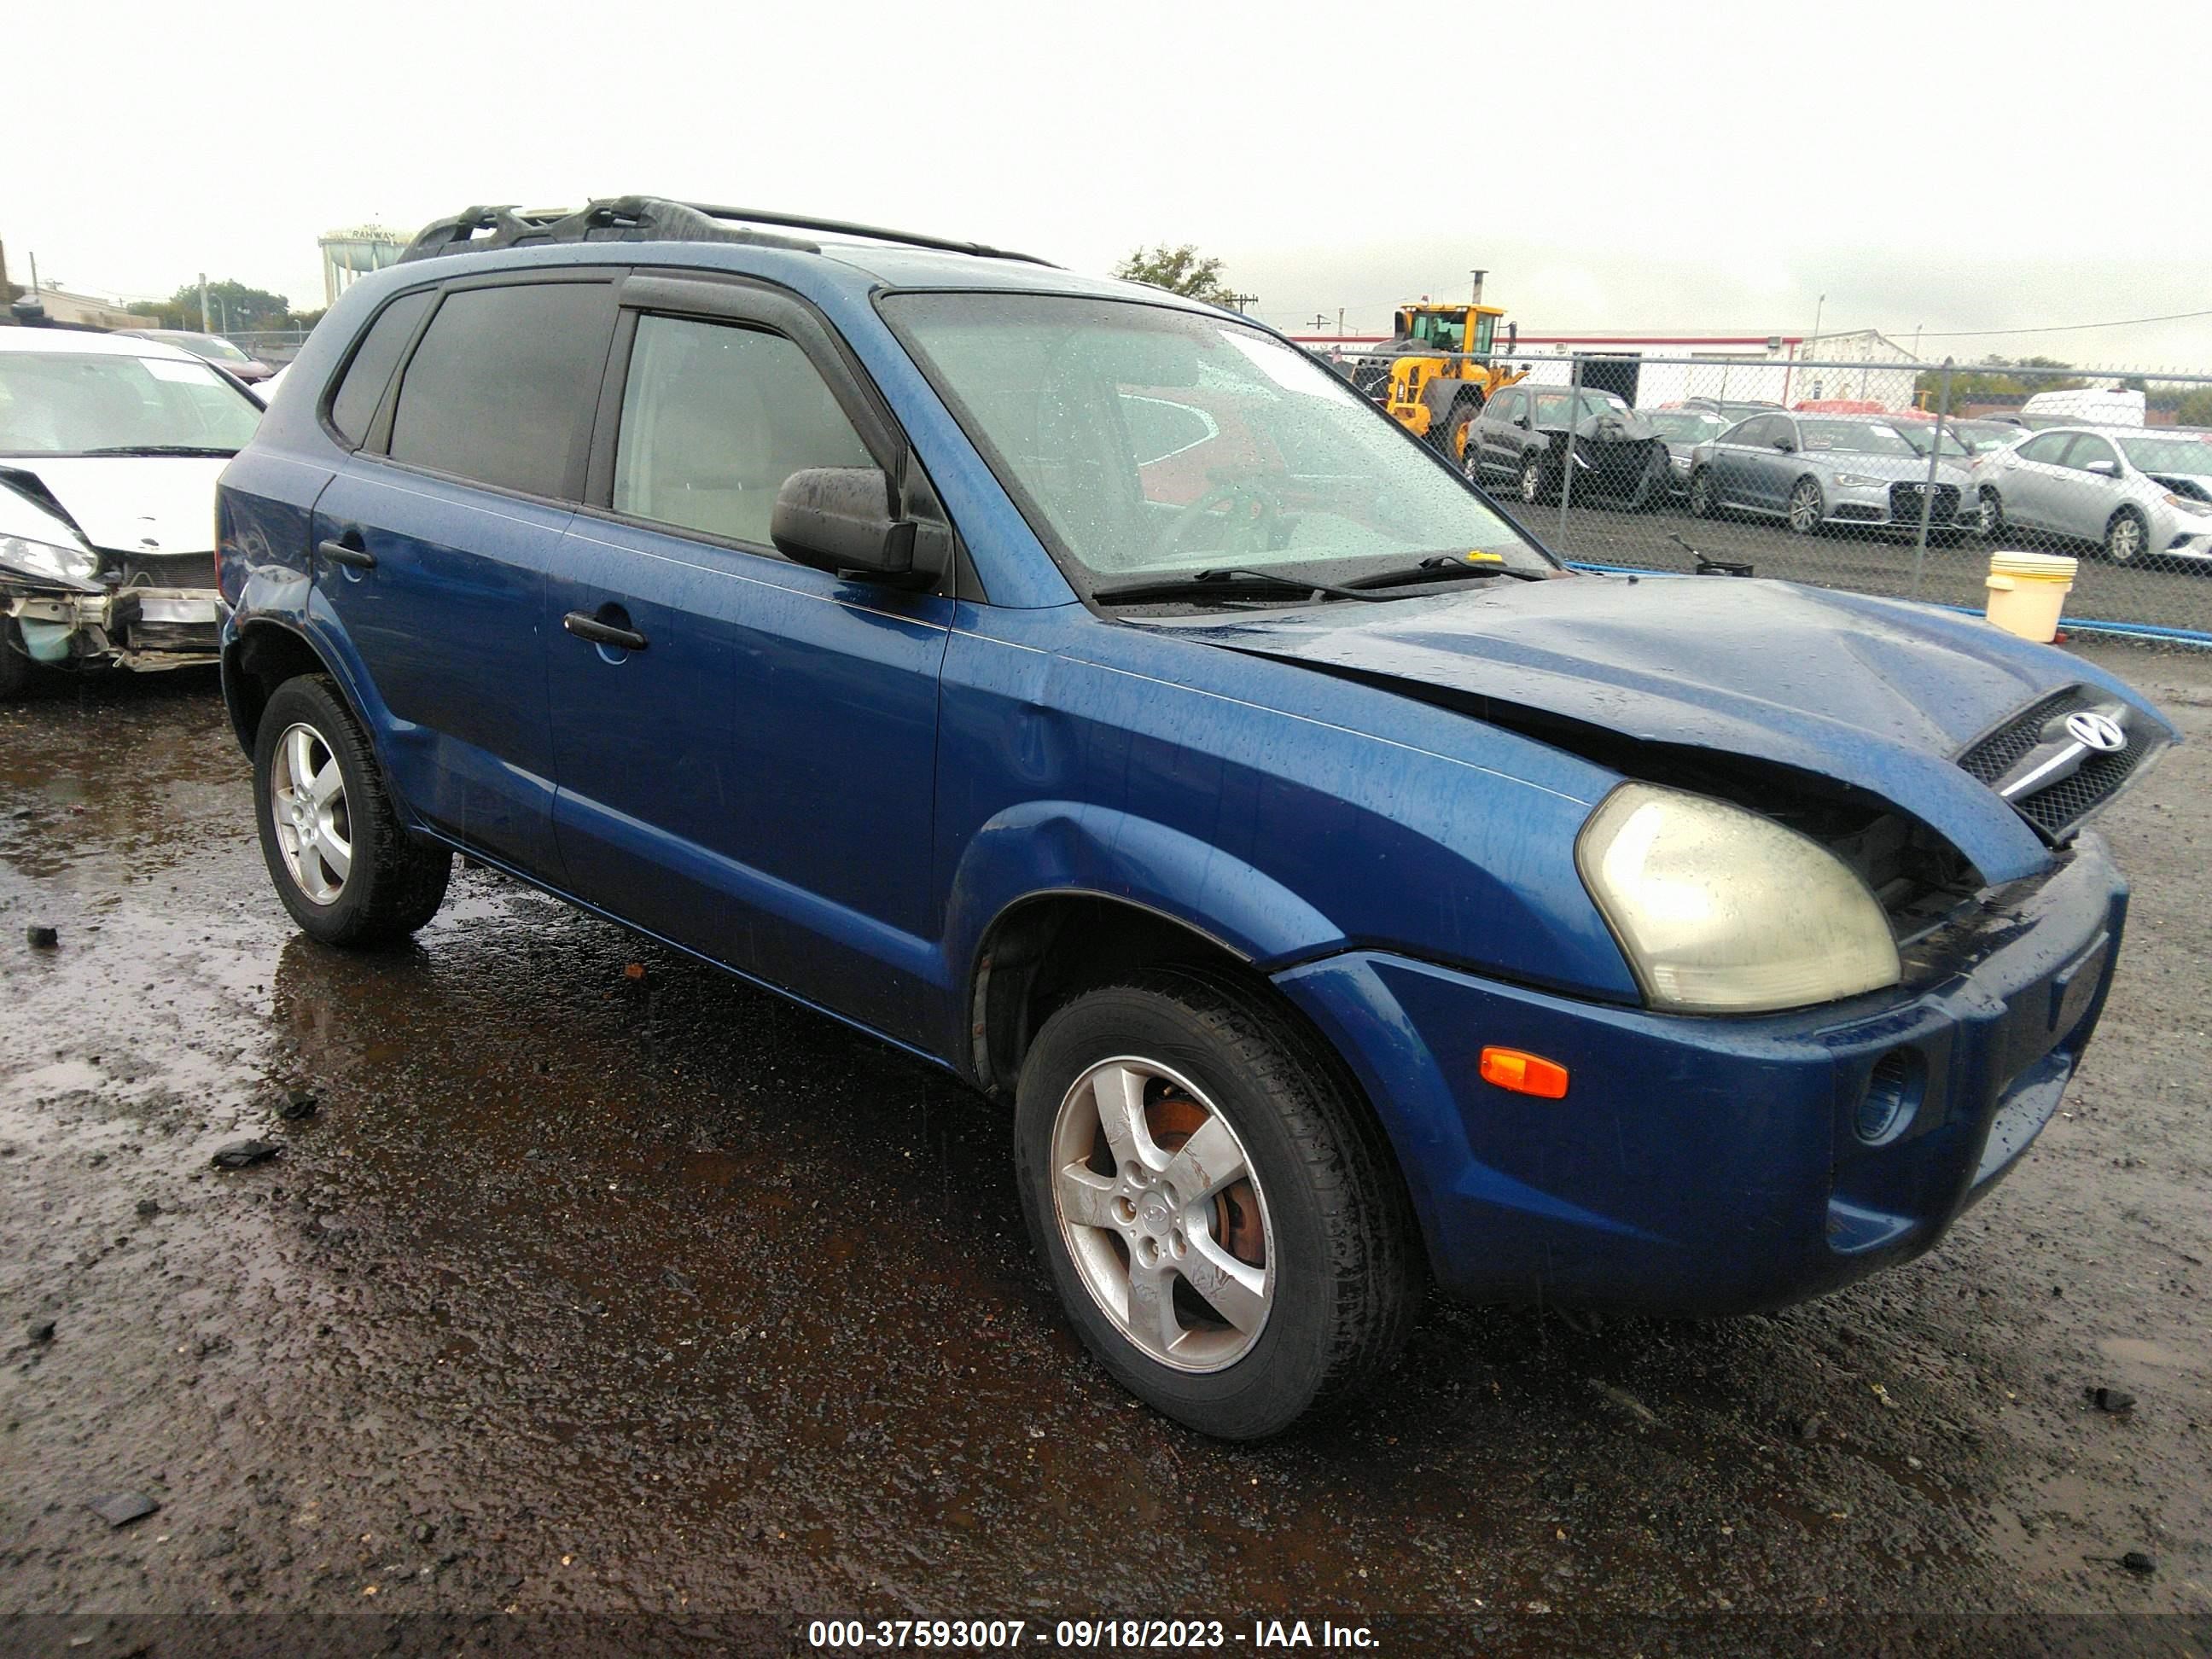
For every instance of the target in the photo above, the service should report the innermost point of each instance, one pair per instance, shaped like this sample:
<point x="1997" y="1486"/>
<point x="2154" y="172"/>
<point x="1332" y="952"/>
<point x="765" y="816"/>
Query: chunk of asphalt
<point x="43" y="938"/>
<point x="147" y="1208"/>
<point x="2117" y="1401"/>
<point x="297" y="1103"/>
<point x="245" y="1154"/>
<point x="39" y="1330"/>
<point x="2141" y="1563"/>
<point x="120" y="1509"/>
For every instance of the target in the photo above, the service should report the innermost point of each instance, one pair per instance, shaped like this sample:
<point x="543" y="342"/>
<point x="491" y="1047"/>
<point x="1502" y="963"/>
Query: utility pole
<point x="1339" y="322"/>
<point x="1817" y="310"/>
<point x="1240" y="301"/>
<point x="1321" y="317"/>
<point x="204" y="329"/>
<point x="34" y="276"/>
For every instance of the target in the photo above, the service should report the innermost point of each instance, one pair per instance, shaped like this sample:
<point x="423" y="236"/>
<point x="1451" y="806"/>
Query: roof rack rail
<point x="874" y="232"/>
<point x="654" y="219"/>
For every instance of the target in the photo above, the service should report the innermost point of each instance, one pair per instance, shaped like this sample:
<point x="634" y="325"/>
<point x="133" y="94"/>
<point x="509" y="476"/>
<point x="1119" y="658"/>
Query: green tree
<point x="1180" y="270"/>
<point x="230" y="305"/>
<point x="1988" y="380"/>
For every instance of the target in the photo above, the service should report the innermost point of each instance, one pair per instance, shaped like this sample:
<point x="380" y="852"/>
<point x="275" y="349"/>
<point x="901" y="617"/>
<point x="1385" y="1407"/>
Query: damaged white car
<point x="109" y="451"/>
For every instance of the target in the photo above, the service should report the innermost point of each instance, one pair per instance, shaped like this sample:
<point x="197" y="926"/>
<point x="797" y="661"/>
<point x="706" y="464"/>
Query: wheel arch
<point x="264" y="651"/>
<point x="1044" y="948"/>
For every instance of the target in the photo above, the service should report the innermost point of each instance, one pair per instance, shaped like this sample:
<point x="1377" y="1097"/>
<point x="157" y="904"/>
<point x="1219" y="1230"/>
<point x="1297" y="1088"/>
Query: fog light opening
<point x="1892" y="1098"/>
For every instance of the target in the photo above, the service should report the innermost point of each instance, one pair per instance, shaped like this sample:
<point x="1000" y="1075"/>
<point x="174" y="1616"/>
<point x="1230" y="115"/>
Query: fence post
<point x="1567" y="461"/>
<point x="1928" y="488"/>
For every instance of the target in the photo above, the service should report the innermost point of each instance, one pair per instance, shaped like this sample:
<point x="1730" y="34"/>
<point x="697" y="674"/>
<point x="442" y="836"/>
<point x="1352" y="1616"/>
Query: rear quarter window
<point x="502" y="388"/>
<point x="360" y="389"/>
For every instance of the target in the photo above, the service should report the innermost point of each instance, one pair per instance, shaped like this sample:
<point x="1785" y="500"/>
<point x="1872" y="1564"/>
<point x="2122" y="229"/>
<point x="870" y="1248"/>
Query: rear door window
<point x="361" y="387"/>
<point x="502" y="388"/>
<point x="715" y="417"/>
<point x="2047" y="449"/>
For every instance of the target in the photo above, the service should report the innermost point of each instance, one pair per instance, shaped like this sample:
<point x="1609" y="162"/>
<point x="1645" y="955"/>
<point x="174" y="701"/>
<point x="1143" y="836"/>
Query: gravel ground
<point x="597" y="1283"/>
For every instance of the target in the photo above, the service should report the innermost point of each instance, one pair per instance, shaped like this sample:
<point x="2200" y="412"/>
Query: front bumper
<point x="141" y="628"/>
<point x="1703" y="1166"/>
<point x="1895" y="505"/>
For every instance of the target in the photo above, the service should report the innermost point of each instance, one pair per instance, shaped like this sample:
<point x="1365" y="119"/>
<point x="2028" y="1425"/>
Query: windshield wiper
<point x="1232" y="581"/>
<point x="161" y="449"/>
<point x="1446" y="566"/>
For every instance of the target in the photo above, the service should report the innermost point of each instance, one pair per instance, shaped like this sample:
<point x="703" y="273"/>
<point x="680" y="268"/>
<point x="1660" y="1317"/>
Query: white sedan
<point x="109" y="451"/>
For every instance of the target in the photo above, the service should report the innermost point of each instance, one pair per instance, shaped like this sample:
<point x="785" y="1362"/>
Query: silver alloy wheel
<point x="1805" y="506"/>
<point x="1992" y="512"/>
<point x="1189" y="1213"/>
<point x="2125" y="539"/>
<point x="1532" y="481"/>
<point x="307" y="805"/>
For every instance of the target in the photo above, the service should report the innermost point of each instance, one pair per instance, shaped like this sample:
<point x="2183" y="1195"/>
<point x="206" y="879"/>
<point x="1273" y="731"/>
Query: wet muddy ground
<point x="585" y="1289"/>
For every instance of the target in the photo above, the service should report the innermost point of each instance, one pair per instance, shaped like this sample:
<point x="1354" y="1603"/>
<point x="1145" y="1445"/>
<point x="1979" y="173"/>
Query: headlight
<point x="1720" y="910"/>
<point x="1860" y="481"/>
<point x="78" y="565"/>
<point x="2188" y="504"/>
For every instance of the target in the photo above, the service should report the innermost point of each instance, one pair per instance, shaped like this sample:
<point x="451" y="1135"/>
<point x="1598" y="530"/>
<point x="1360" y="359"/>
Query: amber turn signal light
<point x="1524" y="1073"/>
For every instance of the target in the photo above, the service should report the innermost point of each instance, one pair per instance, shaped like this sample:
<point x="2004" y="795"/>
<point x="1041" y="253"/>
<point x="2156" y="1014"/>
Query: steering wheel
<point x="1248" y="530"/>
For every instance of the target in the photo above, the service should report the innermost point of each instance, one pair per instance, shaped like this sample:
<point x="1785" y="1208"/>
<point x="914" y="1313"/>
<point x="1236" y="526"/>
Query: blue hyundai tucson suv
<point x="1087" y="691"/>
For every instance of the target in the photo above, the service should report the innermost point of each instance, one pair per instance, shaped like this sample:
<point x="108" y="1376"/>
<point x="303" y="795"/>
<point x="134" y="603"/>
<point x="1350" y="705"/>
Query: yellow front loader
<point x="1437" y="372"/>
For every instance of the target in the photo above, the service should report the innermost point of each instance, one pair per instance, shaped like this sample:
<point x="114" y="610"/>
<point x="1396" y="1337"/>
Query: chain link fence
<point x="276" y="346"/>
<point x="1894" y="478"/>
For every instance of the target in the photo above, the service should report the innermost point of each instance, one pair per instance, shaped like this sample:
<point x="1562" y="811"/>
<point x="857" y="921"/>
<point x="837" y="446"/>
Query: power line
<point x="2062" y="328"/>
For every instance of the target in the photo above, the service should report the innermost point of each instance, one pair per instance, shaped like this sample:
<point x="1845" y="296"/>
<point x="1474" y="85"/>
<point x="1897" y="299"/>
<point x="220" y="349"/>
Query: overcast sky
<point x="1710" y="166"/>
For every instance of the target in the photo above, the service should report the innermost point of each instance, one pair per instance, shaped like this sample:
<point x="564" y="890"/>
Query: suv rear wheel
<point x="342" y="862"/>
<point x="1220" y="1215"/>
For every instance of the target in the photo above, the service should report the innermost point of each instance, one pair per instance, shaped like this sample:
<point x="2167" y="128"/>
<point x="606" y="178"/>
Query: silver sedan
<point x="1815" y="470"/>
<point x="2132" y="491"/>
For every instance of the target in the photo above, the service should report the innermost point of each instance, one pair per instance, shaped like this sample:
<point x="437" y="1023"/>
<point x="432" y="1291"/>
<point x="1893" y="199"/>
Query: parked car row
<point x="2126" y="491"/>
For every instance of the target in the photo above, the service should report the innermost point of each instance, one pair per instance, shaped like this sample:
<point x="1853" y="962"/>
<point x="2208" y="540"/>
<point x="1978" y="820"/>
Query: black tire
<point x="1343" y="1250"/>
<point x="1993" y="520"/>
<point x="1533" y="482"/>
<point x="394" y="882"/>
<point x="1451" y="436"/>
<point x="1808" y="490"/>
<point x="2127" y="537"/>
<point x="15" y="664"/>
<point x="1704" y="500"/>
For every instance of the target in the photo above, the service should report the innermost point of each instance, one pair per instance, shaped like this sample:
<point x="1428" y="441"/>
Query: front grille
<point x="1904" y="502"/>
<point x="2058" y="808"/>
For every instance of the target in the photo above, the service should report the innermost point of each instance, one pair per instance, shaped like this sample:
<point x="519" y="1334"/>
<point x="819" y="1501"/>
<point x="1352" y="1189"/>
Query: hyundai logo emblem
<point x="2094" y="731"/>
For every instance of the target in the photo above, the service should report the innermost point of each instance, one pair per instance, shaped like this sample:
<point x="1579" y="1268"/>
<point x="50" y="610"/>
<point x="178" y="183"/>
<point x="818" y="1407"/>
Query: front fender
<point x="1069" y="846"/>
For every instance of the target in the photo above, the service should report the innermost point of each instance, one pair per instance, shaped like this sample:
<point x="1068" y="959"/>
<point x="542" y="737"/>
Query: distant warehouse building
<point x="71" y="309"/>
<point x="1865" y="366"/>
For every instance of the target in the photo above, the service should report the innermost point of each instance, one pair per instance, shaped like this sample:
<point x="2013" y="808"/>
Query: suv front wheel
<point x="1219" y="1213"/>
<point x="342" y="862"/>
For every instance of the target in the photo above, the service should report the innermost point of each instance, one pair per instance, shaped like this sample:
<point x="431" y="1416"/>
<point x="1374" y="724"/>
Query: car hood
<point x="136" y="504"/>
<point x="1876" y="694"/>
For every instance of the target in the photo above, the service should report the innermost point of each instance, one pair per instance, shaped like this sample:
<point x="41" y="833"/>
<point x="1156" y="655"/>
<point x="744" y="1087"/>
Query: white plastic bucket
<point x="2027" y="591"/>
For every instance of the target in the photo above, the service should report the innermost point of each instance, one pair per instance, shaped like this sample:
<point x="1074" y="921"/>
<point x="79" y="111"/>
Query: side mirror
<point x="838" y="519"/>
<point x="1785" y="446"/>
<point x="2104" y="469"/>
